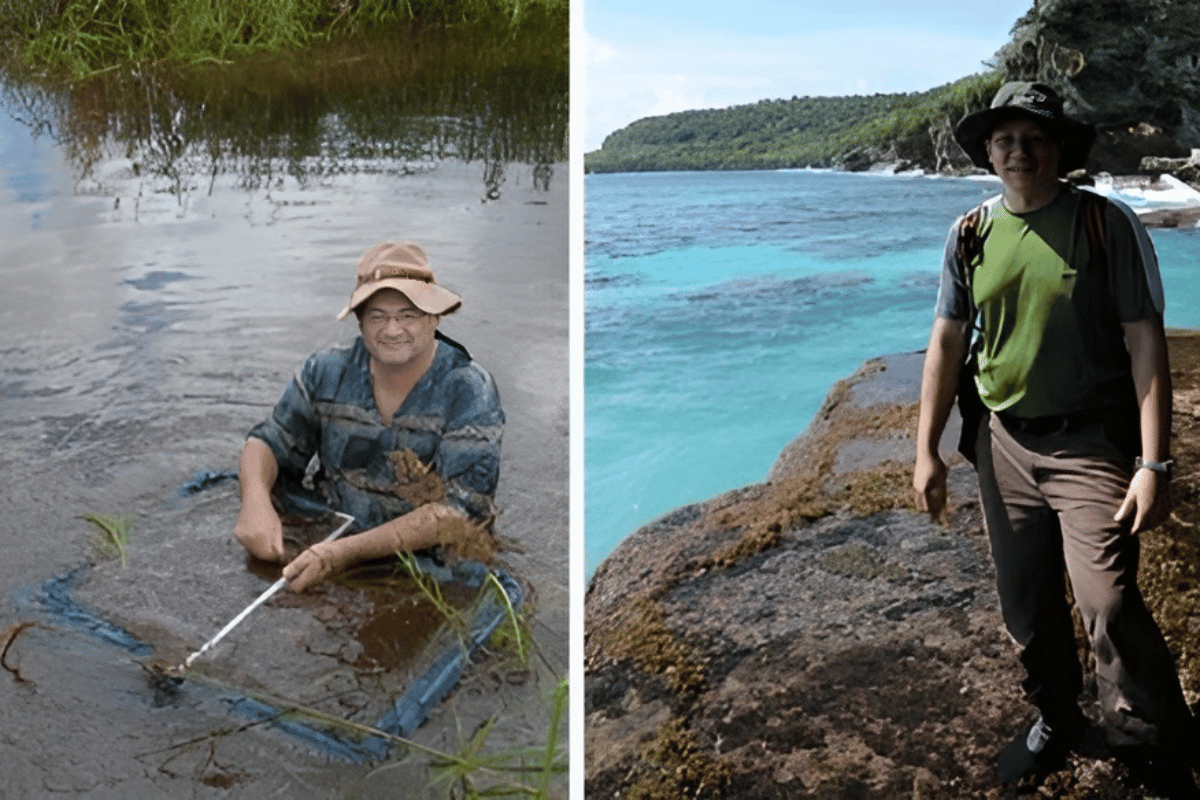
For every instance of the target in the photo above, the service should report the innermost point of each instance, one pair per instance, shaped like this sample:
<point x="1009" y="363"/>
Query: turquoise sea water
<point x="721" y="307"/>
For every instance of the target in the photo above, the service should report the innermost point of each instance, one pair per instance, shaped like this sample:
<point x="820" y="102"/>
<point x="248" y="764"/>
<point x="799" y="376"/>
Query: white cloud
<point x="598" y="52"/>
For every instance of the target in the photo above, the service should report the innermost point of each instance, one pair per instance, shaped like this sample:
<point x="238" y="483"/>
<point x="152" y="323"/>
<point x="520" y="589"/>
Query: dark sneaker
<point x="1038" y="750"/>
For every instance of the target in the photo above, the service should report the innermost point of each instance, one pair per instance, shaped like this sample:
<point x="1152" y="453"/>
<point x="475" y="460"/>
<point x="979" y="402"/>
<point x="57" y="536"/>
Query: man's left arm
<point x="1146" y="498"/>
<point x="426" y="526"/>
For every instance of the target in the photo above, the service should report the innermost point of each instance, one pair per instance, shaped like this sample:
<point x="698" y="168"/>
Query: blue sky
<point x="650" y="57"/>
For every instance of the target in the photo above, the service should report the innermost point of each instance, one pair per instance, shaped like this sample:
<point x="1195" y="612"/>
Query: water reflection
<point x="394" y="105"/>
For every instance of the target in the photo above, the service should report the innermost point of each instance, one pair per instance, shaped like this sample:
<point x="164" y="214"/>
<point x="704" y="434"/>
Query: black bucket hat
<point x="1035" y="101"/>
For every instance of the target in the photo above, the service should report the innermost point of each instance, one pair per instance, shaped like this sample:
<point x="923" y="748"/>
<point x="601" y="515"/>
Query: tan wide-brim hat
<point x="401" y="266"/>
<point x="1035" y="101"/>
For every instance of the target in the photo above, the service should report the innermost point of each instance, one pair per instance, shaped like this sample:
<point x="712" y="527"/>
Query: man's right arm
<point x="258" y="527"/>
<point x="284" y="442"/>
<point x="939" y="383"/>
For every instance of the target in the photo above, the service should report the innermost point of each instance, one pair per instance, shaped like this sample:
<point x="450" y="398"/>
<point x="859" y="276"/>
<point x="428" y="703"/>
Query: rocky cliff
<point x="1131" y="67"/>
<point x="812" y="637"/>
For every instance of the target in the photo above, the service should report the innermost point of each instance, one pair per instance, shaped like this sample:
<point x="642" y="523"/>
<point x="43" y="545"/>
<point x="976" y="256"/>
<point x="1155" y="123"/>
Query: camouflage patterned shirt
<point x="443" y="444"/>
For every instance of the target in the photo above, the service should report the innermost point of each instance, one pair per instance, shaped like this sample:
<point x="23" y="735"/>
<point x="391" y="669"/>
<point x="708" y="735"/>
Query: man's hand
<point x="929" y="484"/>
<point x="1146" y="501"/>
<point x="314" y="565"/>
<point x="260" y="531"/>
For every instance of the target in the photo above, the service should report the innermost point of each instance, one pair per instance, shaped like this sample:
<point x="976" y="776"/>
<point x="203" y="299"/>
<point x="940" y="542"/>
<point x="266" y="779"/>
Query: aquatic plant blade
<point x="113" y="539"/>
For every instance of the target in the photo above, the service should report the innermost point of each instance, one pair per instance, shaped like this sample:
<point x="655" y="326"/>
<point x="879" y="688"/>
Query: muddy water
<point x="171" y="250"/>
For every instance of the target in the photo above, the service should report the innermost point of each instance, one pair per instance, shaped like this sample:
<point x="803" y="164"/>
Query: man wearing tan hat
<point x="404" y="425"/>
<point x="1062" y="287"/>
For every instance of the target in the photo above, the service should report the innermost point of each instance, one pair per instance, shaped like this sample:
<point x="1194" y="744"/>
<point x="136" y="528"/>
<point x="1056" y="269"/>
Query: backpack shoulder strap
<point x="1094" y="209"/>
<point x="969" y="246"/>
<point x="972" y="235"/>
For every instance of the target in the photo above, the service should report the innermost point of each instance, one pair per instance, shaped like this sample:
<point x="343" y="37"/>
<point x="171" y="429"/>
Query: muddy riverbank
<point x="147" y="324"/>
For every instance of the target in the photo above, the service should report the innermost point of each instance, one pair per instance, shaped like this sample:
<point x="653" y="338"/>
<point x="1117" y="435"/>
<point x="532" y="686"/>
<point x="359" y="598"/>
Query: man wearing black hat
<point x="1062" y="287"/>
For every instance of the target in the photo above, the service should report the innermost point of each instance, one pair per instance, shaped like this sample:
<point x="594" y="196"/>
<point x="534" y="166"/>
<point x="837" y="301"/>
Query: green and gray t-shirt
<point x="1052" y="340"/>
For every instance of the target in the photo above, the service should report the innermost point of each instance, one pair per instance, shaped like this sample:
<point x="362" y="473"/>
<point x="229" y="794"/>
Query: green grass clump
<point x="431" y="591"/>
<point x="513" y="635"/>
<point x="83" y="37"/>
<point x="471" y="774"/>
<point x="112" y="539"/>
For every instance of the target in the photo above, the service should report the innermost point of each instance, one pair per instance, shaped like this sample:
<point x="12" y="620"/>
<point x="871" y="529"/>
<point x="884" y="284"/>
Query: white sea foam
<point x="1145" y="194"/>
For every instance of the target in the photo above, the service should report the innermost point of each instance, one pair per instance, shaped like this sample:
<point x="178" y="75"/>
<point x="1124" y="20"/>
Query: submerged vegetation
<point x="82" y="37"/>
<point x="780" y="134"/>
<point x="513" y="635"/>
<point x="470" y="773"/>
<point x="512" y="639"/>
<point x="430" y="590"/>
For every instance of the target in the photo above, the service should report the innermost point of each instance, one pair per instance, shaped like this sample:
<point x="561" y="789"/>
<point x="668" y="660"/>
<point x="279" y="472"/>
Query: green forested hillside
<point x="801" y="132"/>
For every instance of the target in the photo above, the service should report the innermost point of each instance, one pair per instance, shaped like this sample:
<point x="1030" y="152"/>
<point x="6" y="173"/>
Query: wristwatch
<point x="1161" y="467"/>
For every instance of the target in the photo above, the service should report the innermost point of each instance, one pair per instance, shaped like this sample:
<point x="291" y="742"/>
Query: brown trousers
<point x="1048" y="503"/>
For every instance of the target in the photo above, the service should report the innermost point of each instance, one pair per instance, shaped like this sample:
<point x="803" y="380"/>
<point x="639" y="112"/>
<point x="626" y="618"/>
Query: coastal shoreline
<point x="1144" y="189"/>
<point x="813" y="630"/>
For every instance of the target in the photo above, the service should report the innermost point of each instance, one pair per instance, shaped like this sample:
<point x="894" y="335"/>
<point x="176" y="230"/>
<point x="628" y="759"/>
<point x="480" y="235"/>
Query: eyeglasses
<point x="1007" y="142"/>
<point x="377" y="318"/>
